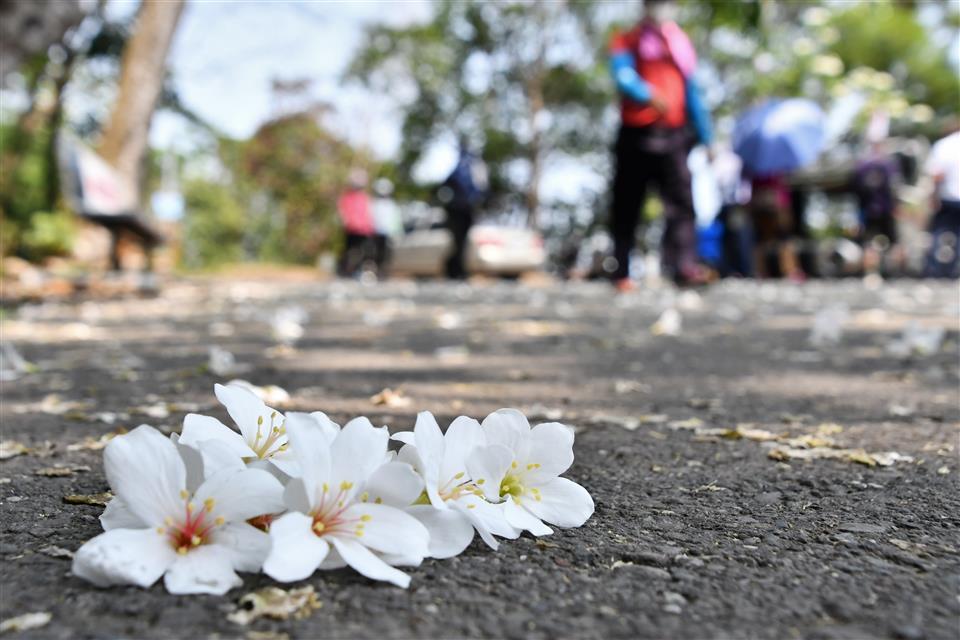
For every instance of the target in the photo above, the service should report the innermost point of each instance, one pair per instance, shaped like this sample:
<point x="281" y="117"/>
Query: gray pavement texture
<point x="748" y="483"/>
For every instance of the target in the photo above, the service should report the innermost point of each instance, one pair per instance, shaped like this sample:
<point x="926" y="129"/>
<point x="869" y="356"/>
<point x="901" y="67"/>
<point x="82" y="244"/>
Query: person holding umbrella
<point x="652" y="65"/>
<point x="774" y="139"/>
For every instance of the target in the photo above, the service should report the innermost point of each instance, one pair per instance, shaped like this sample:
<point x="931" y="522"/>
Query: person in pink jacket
<point x="353" y="205"/>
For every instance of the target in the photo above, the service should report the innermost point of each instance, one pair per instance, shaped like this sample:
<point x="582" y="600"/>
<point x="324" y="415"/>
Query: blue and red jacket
<point x="658" y="60"/>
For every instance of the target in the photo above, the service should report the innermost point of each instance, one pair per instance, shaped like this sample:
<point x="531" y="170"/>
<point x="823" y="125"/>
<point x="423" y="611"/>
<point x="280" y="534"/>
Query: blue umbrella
<point x="779" y="136"/>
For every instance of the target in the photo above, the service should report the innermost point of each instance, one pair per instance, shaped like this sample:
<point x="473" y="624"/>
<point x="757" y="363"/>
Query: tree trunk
<point x="142" y="72"/>
<point x="534" y="89"/>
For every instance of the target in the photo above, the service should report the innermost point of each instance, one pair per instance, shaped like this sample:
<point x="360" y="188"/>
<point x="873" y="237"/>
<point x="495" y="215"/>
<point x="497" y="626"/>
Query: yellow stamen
<point x="366" y="517"/>
<point x="319" y="527"/>
<point x="364" y="496"/>
<point x="259" y="420"/>
<point x="345" y="486"/>
<point x="182" y="550"/>
<point x="326" y="487"/>
<point x="161" y="530"/>
<point x="183" y="494"/>
<point x="513" y="465"/>
<point x="208" y="504"/>
<point x="196" y="540"/>
<point x="532" y="465"/>
<point x="471" y="506"/>
<point x="189" y="507"/>
<point x="458" y="476"/>
<point x="481" y="481"/>
<point x="378" y="501"/>
<point x="359" y="534"/>
<point x="219" y="521"/>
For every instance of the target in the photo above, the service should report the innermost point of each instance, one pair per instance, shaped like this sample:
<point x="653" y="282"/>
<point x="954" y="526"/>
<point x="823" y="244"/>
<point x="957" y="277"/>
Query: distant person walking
<point x="874" y="180"/>
<point x="357" y="219"/>
<point x="653" y="66"/>
<point x="461" y="193"/>
<point x="943" y="165"/>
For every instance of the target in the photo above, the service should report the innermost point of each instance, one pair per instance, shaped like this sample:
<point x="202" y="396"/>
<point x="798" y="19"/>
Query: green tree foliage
<point x="521" y="79"/>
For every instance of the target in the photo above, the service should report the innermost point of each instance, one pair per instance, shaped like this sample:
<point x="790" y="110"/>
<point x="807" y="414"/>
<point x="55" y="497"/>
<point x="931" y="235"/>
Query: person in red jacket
<point x="353" y="205"/>
<point x="662" y="115"/>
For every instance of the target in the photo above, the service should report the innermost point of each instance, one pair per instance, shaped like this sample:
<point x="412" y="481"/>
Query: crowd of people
<point x="662" y="118"/>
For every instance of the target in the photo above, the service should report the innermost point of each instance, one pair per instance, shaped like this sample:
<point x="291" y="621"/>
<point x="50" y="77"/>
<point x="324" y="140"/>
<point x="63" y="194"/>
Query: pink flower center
<point x="194" y="528"/>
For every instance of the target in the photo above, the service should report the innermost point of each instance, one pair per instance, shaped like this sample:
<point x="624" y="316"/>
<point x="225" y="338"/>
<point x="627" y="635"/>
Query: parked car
<point x="492" y="249"/>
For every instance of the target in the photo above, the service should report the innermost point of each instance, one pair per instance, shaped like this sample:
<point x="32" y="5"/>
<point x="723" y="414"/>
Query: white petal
<point x="286" y="463"/>
<point x="248" y="546"/>
<point x="408" y="454"/>
<point x="241" y="495"/>
<point x="387" y="529"/>
<point x="295" y="551"/>
<point x="197" y="429"/>
<point x="145" y="470"/>
<point x="358" y="450"/>
<point x="462" y="437"/>
<point x="366" y="563"/>
<point x="329" y="427"/>
<point x="192" y="462"/>
<point x="487" y="466"/>
<point x="310" y="447"/>
<point x="118" y="516"/>
<point x="124" y="556"/>
<point x="429" y="440"/>
<point x="551" y="446"/>
<point x="450" y="531"/>
<point x="204" y="569"/>
<point x="246" y="410"/>
<point x="522" y="519"/>
<point x="562" y="502"/>
<point x="488" y="519"/>
<point x="406" y="437"/>
<point x="217" y="456"/>
<point x="396" y="484"/>
<point x="510" y="428"/>
<point x="295" y="496"/>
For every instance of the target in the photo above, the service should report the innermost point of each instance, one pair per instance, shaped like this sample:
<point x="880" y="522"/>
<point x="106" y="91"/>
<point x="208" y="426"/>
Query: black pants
<point x="943" y="257"/>
<point x="459" y="221"/>
<point x="644" y="156"/>
<point x="355" y="252"/>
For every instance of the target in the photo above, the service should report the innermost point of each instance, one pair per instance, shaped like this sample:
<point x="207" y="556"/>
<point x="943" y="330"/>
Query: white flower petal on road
<point x="247" y="545"/>
<point x="295" y="550"/>
<point x="198" y="429"/>
<point x="199" y="538"/>
<point x="366" y="563"/>
<point x="239" y="495"/>
<point x="487" y="467"/>
<point x="207" y="569"/>
<point x="507" y="427"/>
<point x="487" y="518"/>
<point x="551" y="447"/>
<point x="357" y="451"/>
<point x="395" y="484"/>
<point x="118" y="516"/>
<point x="386" y="529"/>
<point x="310" y="446"/>
<point x="146" y="472"/>
<point x="562" y="502"/>
<point x="124" y="556"/>
<point x="430" y="446"/>
<point x="522" y="519"/>
<point x="462" y="437"/>
<point x="246" y="410"/>
<point x="450" y="530"/>
<point x="329" y="428"/>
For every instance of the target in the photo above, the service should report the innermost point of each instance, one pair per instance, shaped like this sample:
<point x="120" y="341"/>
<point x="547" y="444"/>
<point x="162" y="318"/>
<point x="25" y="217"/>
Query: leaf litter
<point x="275" y="603"/>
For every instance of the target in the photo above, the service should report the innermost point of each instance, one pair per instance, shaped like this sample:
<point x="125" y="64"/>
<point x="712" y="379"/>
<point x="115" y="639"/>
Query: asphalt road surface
<point x="749" y="483"/>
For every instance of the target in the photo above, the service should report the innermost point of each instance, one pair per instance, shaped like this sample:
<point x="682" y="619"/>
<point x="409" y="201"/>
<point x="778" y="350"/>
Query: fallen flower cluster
<point x="291" y="494"/>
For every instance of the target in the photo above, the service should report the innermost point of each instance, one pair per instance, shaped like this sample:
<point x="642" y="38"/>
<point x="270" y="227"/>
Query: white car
<point x="491" y="250"/>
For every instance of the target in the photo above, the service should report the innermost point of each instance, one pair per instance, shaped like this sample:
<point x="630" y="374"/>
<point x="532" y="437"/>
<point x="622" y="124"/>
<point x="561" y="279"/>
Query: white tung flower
<point x="196" y="539"/>
<point x="262" y="440"/>
<point x="452" y="505"/>
<point x="340" y="509"/>
<point x="521" y="467"/>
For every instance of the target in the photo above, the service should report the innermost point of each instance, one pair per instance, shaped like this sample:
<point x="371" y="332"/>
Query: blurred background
<point x="193" y="135"/>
